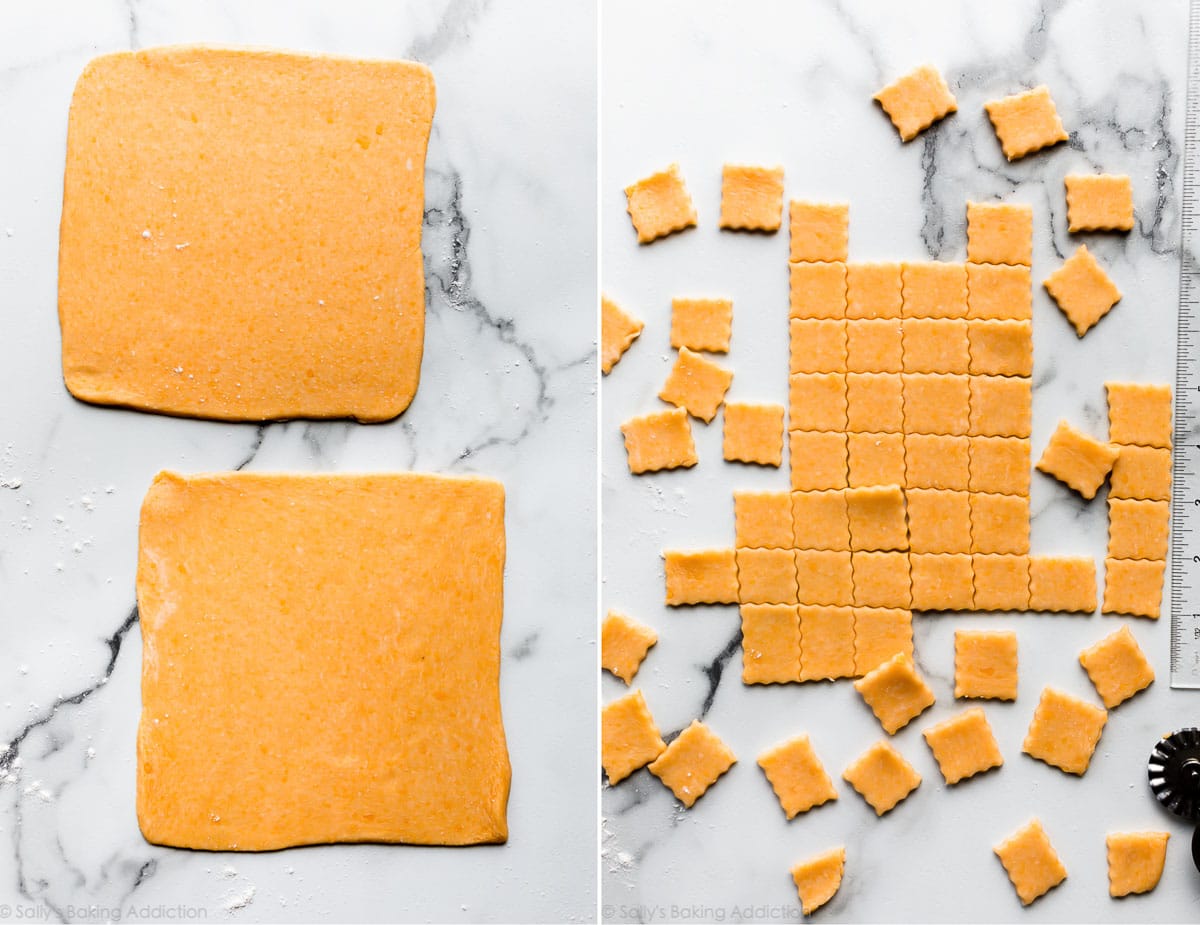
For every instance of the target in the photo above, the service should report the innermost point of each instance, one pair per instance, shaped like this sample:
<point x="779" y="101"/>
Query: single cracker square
<point x="874" y="402"/>
<point x="877" y="518"/>
<point x="1077" y="459"/>
<point x="999" y="523"/>
<point x="1031" y="862"/>
<point x="1142" y="472"/>
<point x="1001" y="406"/>
<point x="938" y="521"/>
<point x="936" y="345"/>
<point x="1064" y="731"/>
<point x="1139" y="414"/>
<point x="1082" y="289"/>
<point x="753" y="433"/>
<point x="985" y="664"/>
<point x="999" y="292"/>
<point x="934" y="290"/>
<point x="693" y="762"/>
<point x="895" y="692"/>
<point x="696" y="385"/>
<point x="875" y="459"/>
<point x="1099" y="202"/>
<point x="874" y="345"/>
<point x="1117" y="667"/>
<point x="817" y="878"/>
<point x="751" y="198"/>
<point x="701" y="324"/>
<point x="1000" y="464"/>
<point x="617" y="331"/>
<point x="882" y="777"/>
<point x="963" y="745"/>
<point x="916" y="101"/>
<point x="820" y="231"/>
<point x="1135" y="861"/>
<point x="1026" y="122"/>
<point x="818" y="460"/>
<point x="879" y="634"/>
<point x="1137" y="529"/>
<point x="629" y="738"/>
<point x="1001" y="582"/>
<point x="826" y="642"/>
<point x="1001" y="348"/>
<point x="623" y="644"/>
<point x="873" y="290"/>
<point x="705" y="576"/>
<point x="817" y="290"/>
<point x="1000" y="233"/>
<point x="937" y="403"/>
<point x="797" y="776"/>
<point x="763" y="519"/>
<point x="937" y="461"/>
<point x="770" y="644"/>
<point x="824" y="576"/>
<point x="817" y="345"/>
<point x="659" y="205"/>
<point x="1134" y="587"/>
<point x="766" y="576"/>
<point x="817" y="401"/>
<point x="942" y="581"/>
<point x="881" y="579"/>
<point x="819" y="520"/>
<point x="1062" y="583"/>
<point x="659" y="441"/>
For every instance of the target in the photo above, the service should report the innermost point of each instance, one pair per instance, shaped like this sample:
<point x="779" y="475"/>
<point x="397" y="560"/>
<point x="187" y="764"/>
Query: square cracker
<point x="629" y="737"/>
<point x="766" y="576"/>
<point x="763" y="519"/>
<point x="1001" y="582"/>
<point x="824" y="576"/>
<point x="1099" y="202"/>
<point x="882" y="777"/>
<point x="1001" y="406"/>
<point x="617" y="331"/>
<point x="874" y="345"/>
<point x="1082" y="289"/>
<point x="701" y="324"/>
<point x="1077" y="459"/>
<point x="693" y="762"/>
<point x="1062" y="583"/>
<point x="937" y="403"/>
<point x="963" y="745"/>
<point x="985" y="664"/>
<point x="934" y="290"/>
<point x="999" y="292"/>
<point x="751" y="198"/>
<point x="247" y="596"/>
<point x="659" y="441"/>
<point x="820" y="231"/>
<point x="817" y="345"/>
<point x="999" y="233"/>
<point x="881" y="579"/>
<point x="942" y="581"/>
<point x="873" y="290"/>
<point x="875" y="459"/>
<point x="877" y="518"/>
<point x="818" y="460"/>
<point x="753" y="433"/>
<point x="817" y="878"/>
<point x="659" y="205"/>
<point x="999" y="523"/>
<point x="1142" y="472"/>
<point x="895" y="692"/>
<point x="916" y="101"/>
<point x="1137" y="529"/>
<point x="826" y="642"/>
<point x="817" y="290"/>
<point x="1001" y="347"/>
<point x="696" y="385"/>
<point x="1031" y="862"/>
<point x="797" y="776"/>
<point x="817" y="401"/>
<point x="624" y="644"/>
<point x="218" y="256"/>
<point x="1139" y="413"/>
<point x="937" y="461"/>
<point x="938" y="521"/>
<point x="1026" y="122"/>
<point x="1064" y="731"/>
<point x="879" y="634"/>
<point x="819" y="519"/>
<point x="874" y="402"/>
<point x="770" y="643"/>
<point x="704" y="576"/>
<point x="936" y="345"/>
<point x="1134" y="587"/>
<point x="1000" y="464"/>
<point x="1117" y="667"/>
<point x="1135" y="861"/>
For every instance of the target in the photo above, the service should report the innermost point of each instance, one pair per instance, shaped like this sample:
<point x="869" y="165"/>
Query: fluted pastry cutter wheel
<point x="1174" y="771"/>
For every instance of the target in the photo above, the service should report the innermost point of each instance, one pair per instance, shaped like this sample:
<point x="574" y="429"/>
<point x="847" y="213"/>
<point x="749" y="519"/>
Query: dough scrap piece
<point x="1135" y="861"/>
<point x="818" y="460"/>
<point x="1001" y="582"/>
<point x="1082" y="289"/>
<point x="1077" y="459"/>
<point x="882" y="777"/>
<point x="1001" y="347"/>
<point x="1099" y="202"/>
<point x="874" y="345"/>
<point x="938" y="521"/>
<point x="751" y="198"/>
<point x="820" y="232"/>
<point x="817" y="345"/>
<point x="701" y="324"/>
<point x="1026" y="122"/>
<point x="231" y="654"/>
<point x="770" y="643"/>
<point x="937" y="461"/>
<point x="1032" y="864"/>
<point x="826" y="642"/>
<point x="1000" y="465"/>
<point x="985" y="664"/>
<point x="820" y="520"/>
<point x="697" y="385"/>
<point x="1141" y="472"/>
<point x="1137" y="529"/>
<point x="999" y="523"/>
<point x="999" y="233"/>
<point x="877" y="518"/>
<point x="937" y="403"/>
<point x="1065" y="584"/>
<point x="209" y="270"/>
<point x="934" y="290"/>
<point x="1117" y="667"/>
<point x="624" y="644"/>
<point x="1064" y="731"/>
<point x="874" y="403"/>
<point x="1139" y="413"/>
<point x="879" y="634"/>
<point x="942" y="581"/>
<point x="881" y="579"/>
<point x="797" y="776"/>
<point x="766" y="576"/>
<point x="618" y="330"/>
<point x="659" y="205"/>
<point x="963" y="745"/>
<point x="824" y="577"/>
<point x="818" y="878"/>
<point x="817" y="290"/>
<point x="895" y="692"/>
<point x="873" y="290"/>
<point x="763" y="519"/>
<point x="1134" y="587"/>
<point x="916" y="101"/>
<point x="1001" y="406"/>
<point x="707" y="576"/>
<point x="817" y="401"/>
<point x="999" y="292"/>
<point x="662" y="440"/>
<point x="875" y="459"/>
<point x="753" y="433"/>
<point x="693" y="762"/>
<point x="629" y="737"/>
<point x="936" y="345"/>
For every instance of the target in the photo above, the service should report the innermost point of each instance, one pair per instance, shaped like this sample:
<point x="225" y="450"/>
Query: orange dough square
<point x="1031" y="862"/>
<point x="874" y="402"/>
<point x="219" y="257"/>
<point x="817" y="290"/>
<point x="702" y="324"/>
<point x="938" y="521"/>
<point x="819" y="231"/>
<point x="623" y="644"/>
<point x="1001" y="582"/>
<point x="942" y="581"/>
<point x="882" y="777"/>
<point x="881" y="579"/>
<point x="817" y="401"/>
<point x="985" y="664"/>
<point x="936" y="345"/>
<point x="706" y="576"/>
<point x="1062" y="583"/>
<point x="1001" y="406"/>
<point x="824" y="576"/>
<point x="1082" y="290"/>
<point x="999" y="523"/>
<point x="751" y="197"/>
<point x="1064" y="731"/>
<point x="937" y="403"/>
<point x="284" y="618"/>
<point x="895" y="692"/>
<point x="1000" y="464"/>
<point x="916" y="101"/>
<point x="1117" y="667"/>
<point x="753" y="433"/>
<point x="1137" y="529"/>
<point x="696" y="385"/>
<point x="1077" y="459"/>
<point x="1139" y="414"/>
<point x="817" y="879"/>
<point x="818" y="460"/>
<point x="879" y="634"/>
<point x="999" y="292"/>
<point x="1099" y="202"/>
<point x="877" y="517"/>
<point x="936" y="461"/>
<point x="817" y="345"/>
<point x="659" y="441"/>
<point x="1133" y="586"/>
<point x="875" y="459"/>
<point x="1026" y="122"/>
<point x="1000" y="233"/>
<point x="617" y="331"/>
<point x="819" y="520"/>
<point x="963" y="745"/>
<point x="763" y="519"/>
<point x="659" y="205"/>
<point x="797" y="776"/>
<point x="770" y="644"/>
<point x="766" y="576"/>
<point x="1001" y="348"/>
<point x="934" y="290"/>
<point x="692" y="763"/>
<point x="629" y="737"/>
<point x="826" y="641"/>
<point x="1135" y="861"/>
<point x="873" y="290"/>
<point x="1142" y="472"/>
<point x="874" y="345"/>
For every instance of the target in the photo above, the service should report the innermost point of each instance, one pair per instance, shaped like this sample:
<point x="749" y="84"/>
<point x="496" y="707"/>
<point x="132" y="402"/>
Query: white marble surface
<point x="706" y="83"/>
<point x="507" y="390"/>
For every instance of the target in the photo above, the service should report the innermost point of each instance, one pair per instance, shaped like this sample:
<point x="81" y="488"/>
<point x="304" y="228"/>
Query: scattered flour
<point x="235" y="900"/>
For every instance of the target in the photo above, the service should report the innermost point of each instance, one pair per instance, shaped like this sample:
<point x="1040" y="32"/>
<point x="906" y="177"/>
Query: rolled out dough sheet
<point x="321" y="661"/>
<point x="241" y="234"/>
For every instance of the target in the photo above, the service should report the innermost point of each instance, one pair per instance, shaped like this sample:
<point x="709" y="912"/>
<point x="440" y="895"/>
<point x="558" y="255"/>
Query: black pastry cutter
<point x="1174" y="771"/>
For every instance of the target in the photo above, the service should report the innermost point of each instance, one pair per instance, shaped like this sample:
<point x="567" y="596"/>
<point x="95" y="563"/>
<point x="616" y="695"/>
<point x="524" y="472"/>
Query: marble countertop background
<point x="507" y="390"/>
<point x="704" y="83"/>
